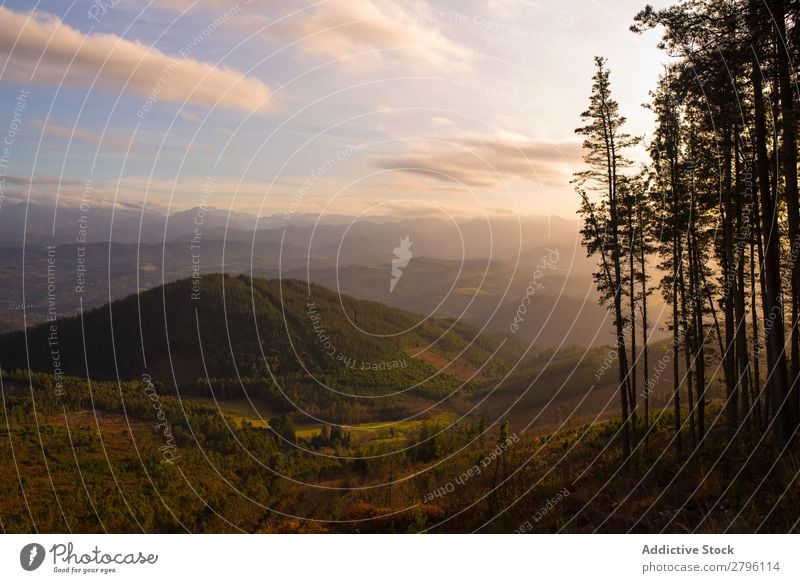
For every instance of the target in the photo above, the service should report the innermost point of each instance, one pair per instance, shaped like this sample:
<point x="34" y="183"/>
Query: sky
<point x="358" y="107"/>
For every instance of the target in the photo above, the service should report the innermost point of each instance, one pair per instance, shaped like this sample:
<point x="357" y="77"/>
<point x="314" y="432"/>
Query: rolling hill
<point x="293" y="345"/>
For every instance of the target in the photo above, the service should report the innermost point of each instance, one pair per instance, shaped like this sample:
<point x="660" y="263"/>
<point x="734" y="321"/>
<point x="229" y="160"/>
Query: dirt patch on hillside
<point x="459" y="369"/>
<point x="88" y="418"/>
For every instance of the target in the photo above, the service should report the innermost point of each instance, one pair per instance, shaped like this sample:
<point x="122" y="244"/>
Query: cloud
<point x="39" y="179"/>
<point x="39" y="189"/>
<point x="385" y="27"/>
<point x="39" y="48"/>
<point x="441" y="121"/>
<point x="408" y="209"/>
<point x="105" y="141"/>
<point x="487" y="160"/>
<point x="188" y="192"/>
<point x="382" y="30"/>
<point x="188" y="116"/>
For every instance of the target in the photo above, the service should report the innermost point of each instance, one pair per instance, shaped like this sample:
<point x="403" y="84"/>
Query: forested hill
<point x="227" y="327"/>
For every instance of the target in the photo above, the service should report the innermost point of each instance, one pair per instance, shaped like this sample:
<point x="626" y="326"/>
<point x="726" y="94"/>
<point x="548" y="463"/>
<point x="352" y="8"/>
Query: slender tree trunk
<point x="624" y="373"/>
<point x="764" y="391"/>
<point x="729" y="289"/>
<point x="622" y="360"/>
<point x="792" y="201"/>
<point x="687" y="354"/>
<point x="696" y="295"/>
<point x="676" y="387"/>
<point x="645" y="337"/>
<point x="742" y="356"/>
<point x="700" y="364"/>
<point x="756" y="343"/>
<point x="632" y="309"/>
<point x="620" y="333"/>
<point x="773" y="326"/>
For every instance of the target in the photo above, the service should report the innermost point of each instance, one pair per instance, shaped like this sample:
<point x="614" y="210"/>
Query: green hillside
<point x="289" y="344"/>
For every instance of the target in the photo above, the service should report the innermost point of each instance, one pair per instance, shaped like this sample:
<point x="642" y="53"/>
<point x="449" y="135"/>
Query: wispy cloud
<point x="383" y="29"/>
<point x="39" y="48"/>
<point x="363" y="34"/>
<point x="39" y="179"/>
<point x="106" y="141"/>
<point x="476" y="160"/>
<point x="40" y="189"/>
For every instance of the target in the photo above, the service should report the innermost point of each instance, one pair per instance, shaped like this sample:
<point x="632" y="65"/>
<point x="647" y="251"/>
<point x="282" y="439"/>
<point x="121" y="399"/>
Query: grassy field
<point x="258" y="414"/>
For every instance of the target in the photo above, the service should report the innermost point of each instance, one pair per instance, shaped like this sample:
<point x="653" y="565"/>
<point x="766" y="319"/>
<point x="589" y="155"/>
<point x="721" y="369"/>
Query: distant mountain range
<point x="125" y="223"/>
<point x="476" y="271"/>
